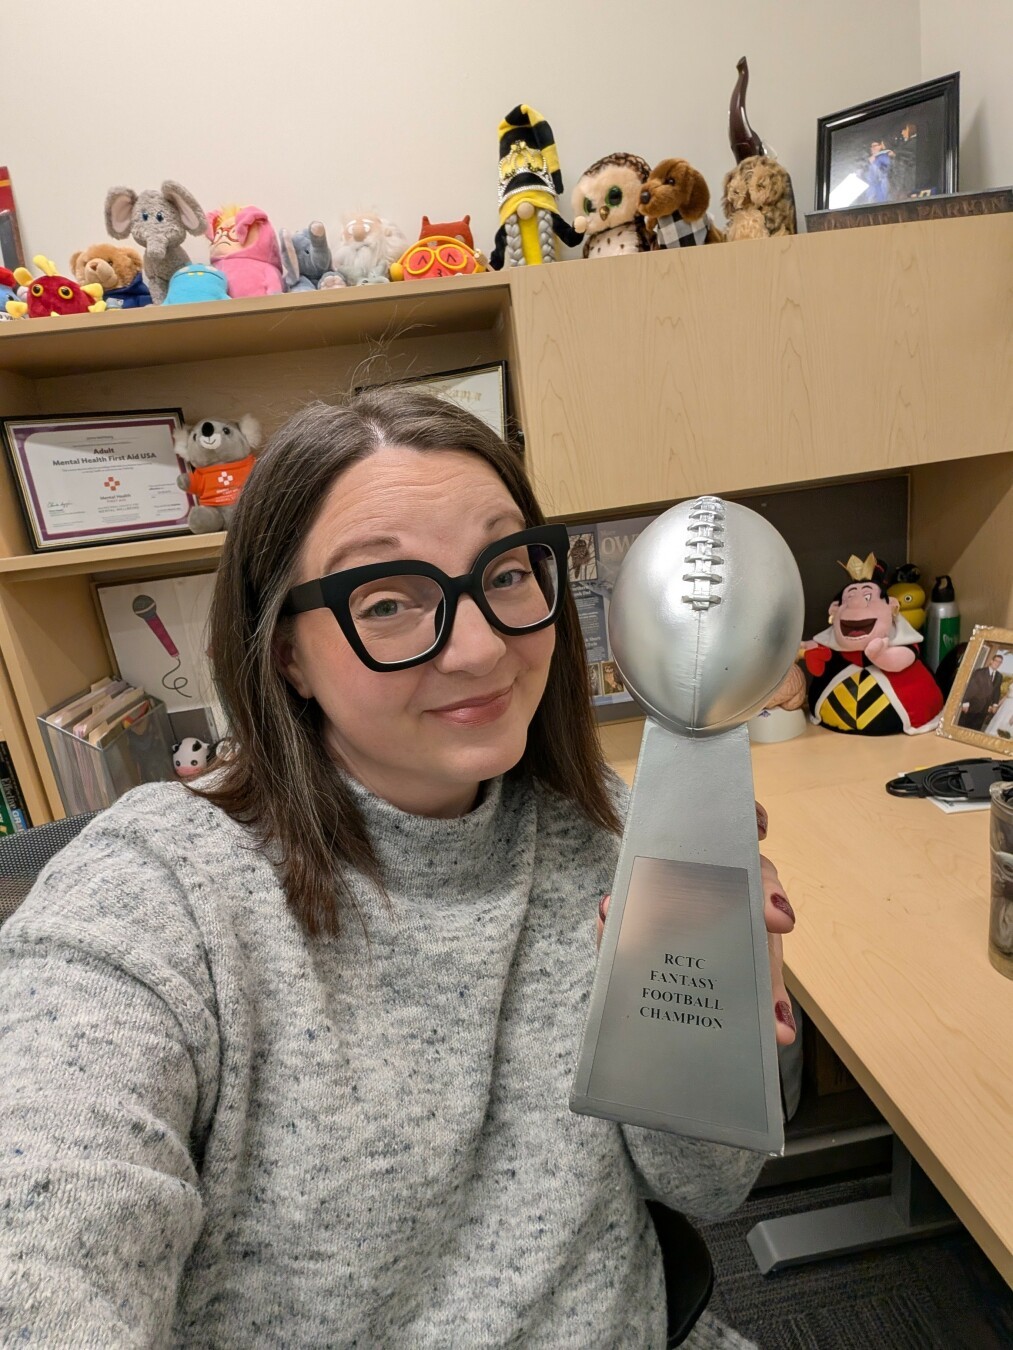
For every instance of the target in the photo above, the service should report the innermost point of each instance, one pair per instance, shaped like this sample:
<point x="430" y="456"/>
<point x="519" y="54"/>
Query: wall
<point x="975" y="38"/>
<point x="318" y="108"/>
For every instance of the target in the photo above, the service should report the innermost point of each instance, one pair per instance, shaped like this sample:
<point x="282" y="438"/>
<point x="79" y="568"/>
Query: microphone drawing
<point x="145" y="608"/>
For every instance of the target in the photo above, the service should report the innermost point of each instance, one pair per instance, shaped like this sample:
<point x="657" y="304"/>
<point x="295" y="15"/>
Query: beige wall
<point x="318" y="107"/>
<point x="976" y="38"/>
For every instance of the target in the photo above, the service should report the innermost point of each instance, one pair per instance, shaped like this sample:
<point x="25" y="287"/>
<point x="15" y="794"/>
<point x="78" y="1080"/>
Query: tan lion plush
<point x="758" y="199"/>
<point x="118" y="272"/>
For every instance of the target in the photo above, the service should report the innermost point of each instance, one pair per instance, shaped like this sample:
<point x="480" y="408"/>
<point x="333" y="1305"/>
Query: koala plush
<point x="222" y="456"/>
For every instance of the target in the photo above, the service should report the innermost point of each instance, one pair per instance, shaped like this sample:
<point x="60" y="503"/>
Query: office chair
<point x="23" y="856"/>
<point x="689" y="1272"/>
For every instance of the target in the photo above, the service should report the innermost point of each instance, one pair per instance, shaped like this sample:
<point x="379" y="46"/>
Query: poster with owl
<point x="607" y="198"/>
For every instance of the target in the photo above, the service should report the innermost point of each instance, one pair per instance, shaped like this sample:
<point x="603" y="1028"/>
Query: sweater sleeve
<point x="108" y="1056"/>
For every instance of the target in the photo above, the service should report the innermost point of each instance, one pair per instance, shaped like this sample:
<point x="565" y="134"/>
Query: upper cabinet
<point x="778" y="361"/>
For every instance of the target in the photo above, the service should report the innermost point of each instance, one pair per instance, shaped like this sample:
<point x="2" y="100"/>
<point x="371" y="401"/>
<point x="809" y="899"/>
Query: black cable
<point x="960" y="780"/>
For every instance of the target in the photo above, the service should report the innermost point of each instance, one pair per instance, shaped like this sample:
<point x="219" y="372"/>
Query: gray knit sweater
<point x="215" y="1131"/>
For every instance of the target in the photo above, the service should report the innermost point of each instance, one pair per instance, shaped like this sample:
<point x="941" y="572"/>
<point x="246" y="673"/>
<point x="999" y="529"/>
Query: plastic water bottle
<point x="942" y="626"/>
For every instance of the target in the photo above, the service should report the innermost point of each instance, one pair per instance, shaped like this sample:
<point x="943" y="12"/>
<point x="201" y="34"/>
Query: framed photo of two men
<point x="979" y="709"/>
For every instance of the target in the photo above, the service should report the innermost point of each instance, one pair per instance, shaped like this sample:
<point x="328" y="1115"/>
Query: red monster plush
<point x="866" y="676"/>
<point x="50" y="294"/>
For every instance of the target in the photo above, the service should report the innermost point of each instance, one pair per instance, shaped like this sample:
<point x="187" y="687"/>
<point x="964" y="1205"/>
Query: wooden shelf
<point x="185" y="548"/>
<point x="161" y="335"/>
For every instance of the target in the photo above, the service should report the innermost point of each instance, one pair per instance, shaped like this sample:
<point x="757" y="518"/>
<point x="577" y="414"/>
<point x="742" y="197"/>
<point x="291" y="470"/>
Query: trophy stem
<point x="680" y="1032"/>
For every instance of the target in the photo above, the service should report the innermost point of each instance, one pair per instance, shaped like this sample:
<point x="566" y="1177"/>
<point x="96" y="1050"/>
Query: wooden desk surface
<point x="890" y="954"/>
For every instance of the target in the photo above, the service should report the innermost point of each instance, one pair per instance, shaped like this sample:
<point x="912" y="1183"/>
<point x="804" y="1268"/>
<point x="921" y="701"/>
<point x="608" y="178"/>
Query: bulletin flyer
<point x="596" y="551"/>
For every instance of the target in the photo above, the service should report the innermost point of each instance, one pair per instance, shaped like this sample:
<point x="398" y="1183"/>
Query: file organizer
<point x="91" y="777"/>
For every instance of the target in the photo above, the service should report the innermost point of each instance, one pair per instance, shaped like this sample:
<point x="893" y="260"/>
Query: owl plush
<point x="607" y="198"/>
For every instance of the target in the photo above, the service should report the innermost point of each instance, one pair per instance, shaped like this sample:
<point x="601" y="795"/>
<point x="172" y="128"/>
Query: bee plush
<point x="530" y="226"/>
<point x="607" y="203"/>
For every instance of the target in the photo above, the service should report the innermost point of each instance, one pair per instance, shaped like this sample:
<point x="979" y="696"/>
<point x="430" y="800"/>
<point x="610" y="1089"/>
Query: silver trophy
<point x="705" y="621"/>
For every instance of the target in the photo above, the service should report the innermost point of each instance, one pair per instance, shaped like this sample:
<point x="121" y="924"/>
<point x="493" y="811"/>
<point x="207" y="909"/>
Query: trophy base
<point x="680" y="1031"/>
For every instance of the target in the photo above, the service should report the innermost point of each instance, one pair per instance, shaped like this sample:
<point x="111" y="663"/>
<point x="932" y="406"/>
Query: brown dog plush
<point x="674" y="203"/>
<point x="758" y="200"/>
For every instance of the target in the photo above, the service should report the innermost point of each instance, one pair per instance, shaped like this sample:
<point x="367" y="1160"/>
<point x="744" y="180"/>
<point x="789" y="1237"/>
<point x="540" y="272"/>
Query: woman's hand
<point x="779" y="918"/>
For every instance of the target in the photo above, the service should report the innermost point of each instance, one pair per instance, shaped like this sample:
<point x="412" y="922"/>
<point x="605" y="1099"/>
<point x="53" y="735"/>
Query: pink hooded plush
<point x="245" y="247"/>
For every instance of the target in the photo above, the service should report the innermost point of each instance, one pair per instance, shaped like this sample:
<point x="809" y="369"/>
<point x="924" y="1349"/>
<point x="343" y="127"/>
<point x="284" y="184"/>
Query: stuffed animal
<point x="191" y="757"/>
<point x="607" y="199"/>
<point x="8" y="291"/>
<point x="369" y="244"/>
<point x="436" y="256"/>
<point x="451" y="229"/>
<point x="195" y="283"/>
<point x="674" y="203"/>
<point x="758" y="199"/>
<point x="306" y="259"/>
<point x="866" y="675"/>
<point x="245" y="247"/>
<point x="222" y="456"/>
<point x="530" y="226"/>
<point x="158" y="219"/>
<point x="50" y="294"/>
<point x="117" y="270"/>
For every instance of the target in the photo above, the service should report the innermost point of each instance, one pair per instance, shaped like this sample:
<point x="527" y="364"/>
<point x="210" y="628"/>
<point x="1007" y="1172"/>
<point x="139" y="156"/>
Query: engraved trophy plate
<point x="705" y="621"/>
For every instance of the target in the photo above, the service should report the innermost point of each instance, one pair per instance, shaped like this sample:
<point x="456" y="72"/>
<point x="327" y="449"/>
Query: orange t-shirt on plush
<point x="220" y="484"/>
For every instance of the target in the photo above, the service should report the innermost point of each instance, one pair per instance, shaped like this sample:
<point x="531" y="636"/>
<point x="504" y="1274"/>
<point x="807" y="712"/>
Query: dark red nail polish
<point x="782" y="1009"/>
<point x="602" y="908"/>
<point x="781" y="902"/>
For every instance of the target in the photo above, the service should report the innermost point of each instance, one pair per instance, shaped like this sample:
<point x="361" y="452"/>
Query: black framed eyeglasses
<point x="401" y="613"/>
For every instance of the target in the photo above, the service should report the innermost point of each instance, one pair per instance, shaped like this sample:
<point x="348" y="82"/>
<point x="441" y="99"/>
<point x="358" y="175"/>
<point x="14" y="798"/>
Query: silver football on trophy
<point x="706" y="616"/>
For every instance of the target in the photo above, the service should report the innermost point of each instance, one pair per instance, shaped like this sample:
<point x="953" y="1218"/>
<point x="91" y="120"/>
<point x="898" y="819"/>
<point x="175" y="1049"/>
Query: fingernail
<point x="781" y="902"/>
<point x="782" y="1008"/>
<point x="603" y="907"/>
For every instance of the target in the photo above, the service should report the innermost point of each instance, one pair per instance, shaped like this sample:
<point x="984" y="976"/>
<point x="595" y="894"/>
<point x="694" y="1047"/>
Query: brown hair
<point x="277" y="777"/>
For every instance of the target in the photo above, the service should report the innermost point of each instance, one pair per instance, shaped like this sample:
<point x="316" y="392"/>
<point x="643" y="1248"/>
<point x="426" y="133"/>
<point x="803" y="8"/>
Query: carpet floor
<point x="934" y="1294"/>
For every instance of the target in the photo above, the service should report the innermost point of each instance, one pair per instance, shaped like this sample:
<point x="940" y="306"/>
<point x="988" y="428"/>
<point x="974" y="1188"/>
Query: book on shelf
<point x="14" y="815"/>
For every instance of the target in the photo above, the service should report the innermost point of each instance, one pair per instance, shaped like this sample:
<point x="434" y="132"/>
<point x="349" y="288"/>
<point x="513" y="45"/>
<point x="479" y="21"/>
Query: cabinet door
<point x="763" y="363"/>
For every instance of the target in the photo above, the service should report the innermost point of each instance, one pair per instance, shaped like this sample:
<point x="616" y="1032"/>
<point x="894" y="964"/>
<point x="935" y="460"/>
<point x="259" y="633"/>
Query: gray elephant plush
<point x="160" y="219"/>
<point x="306" y="259"/>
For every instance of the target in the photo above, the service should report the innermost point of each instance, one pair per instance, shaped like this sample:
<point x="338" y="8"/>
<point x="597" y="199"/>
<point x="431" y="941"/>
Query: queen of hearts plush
<point x="866" y="675"/>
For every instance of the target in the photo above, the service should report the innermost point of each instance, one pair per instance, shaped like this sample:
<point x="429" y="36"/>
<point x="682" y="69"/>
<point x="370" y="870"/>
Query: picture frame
<point x="481" y="389"/>
<point x="156" y="634"/>
<point x="900" y="147"/>
<point x="979" y="709"/>
<point x="97" y="478"/>
<point x="597" y="548"/>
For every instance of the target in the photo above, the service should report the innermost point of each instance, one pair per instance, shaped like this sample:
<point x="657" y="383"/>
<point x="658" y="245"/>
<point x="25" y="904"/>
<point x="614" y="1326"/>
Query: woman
<point x="286" y="1059"/>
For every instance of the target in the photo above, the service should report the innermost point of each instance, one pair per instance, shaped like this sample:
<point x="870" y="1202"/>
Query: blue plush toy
<point x="196" y="282"/>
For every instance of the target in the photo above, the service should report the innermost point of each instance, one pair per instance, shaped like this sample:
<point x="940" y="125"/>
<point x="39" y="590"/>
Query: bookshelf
<point x="637" y="381"/>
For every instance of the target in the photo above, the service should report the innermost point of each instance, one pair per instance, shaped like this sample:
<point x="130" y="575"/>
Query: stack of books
<point x="104" y="741"/>
<point x="13" y="812"/>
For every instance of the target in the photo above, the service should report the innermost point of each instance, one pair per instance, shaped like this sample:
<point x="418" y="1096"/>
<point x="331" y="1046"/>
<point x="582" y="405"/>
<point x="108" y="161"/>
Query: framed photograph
<point x="901" y="147"/>
<point x="596" y="550"/>
<point x="97" y="479"/>
<point x="979" y="710"/>
<point x="480" y="389"/>
<point x="12" y="253"/>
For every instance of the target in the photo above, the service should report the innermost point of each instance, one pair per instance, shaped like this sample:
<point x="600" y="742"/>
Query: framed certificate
<point x="98" y="479"/>
<point x="480" y="389"/>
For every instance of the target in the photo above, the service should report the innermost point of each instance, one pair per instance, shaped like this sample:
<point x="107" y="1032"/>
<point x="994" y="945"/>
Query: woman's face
<point x="426" y="737"/>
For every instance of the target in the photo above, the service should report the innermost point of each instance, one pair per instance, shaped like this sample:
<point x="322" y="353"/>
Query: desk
<point x="890" y="955"/>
